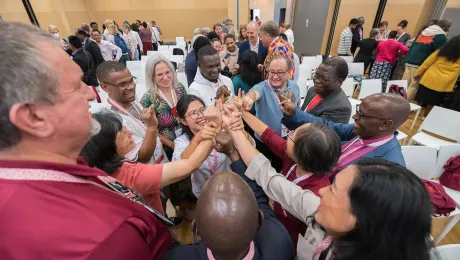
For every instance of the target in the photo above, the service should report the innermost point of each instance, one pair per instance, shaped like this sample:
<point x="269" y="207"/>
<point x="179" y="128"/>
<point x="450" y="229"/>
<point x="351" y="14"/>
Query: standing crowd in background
<point x="259" y="171"/>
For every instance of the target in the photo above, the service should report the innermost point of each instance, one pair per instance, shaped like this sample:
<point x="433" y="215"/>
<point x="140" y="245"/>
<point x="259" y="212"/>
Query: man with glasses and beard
<point x="266" y="96"/>
<point x="373" y="135"/>
<point x="117" y="81"/>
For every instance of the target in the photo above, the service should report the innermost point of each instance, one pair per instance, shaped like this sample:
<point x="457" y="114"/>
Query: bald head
<point x="227" y="215"/>
<point x="393" y="106"/>
<point x="252" y="30"/>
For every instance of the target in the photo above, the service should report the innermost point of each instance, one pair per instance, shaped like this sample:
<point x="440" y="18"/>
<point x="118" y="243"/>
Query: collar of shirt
<point x="256" y="45"/>
<point x="80" y="169"/>
<point x="249" y="256"/>
<point x="73" y="53"/>
<point x="84" y="42"/>
<point x="375" y="142"/>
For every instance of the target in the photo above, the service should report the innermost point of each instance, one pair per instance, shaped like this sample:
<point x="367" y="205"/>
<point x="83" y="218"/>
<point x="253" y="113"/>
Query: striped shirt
<point x="345" y="41"/>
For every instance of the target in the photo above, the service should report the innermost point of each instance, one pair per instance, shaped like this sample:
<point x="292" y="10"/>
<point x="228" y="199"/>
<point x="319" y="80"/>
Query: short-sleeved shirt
<point x="367" y="46"/>
<point x="268" y="108"/>
<point x="167" y="122"/>
<point x="201" y="175"/>
<point x="145" y="179"/>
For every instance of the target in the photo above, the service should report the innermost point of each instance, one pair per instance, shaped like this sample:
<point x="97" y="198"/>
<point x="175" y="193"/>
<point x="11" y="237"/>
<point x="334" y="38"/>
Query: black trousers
<point x="276" y="162"/>
<point x="155" y="46"/>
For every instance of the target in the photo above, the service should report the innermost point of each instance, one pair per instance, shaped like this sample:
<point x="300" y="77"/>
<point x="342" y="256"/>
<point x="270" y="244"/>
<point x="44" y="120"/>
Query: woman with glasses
<point x="164" y="91"/>
<point x="309" y="154"/>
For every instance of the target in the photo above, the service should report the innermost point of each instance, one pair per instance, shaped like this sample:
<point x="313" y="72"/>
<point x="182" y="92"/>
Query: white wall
<point x="267" y="8"/>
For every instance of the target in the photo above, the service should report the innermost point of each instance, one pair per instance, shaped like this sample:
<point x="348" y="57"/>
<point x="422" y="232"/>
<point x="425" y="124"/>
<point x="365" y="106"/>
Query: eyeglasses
<point x="358" y="112"/>
<point x="196" y="113"/>
<point x="290" y="135"/>
<point x="126" y="84"/>
<point x="277" y="73"/>
<point x="321" y="78"/>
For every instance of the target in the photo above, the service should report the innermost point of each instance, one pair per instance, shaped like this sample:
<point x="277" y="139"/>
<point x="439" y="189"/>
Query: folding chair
<point x="446" y="252"/>
<point x="370" y="87"/>
<point x="413" y="107"/>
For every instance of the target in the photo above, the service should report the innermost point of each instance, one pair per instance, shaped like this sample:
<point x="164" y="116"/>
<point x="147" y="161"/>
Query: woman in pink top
<point x="387" y="51"/>
<point x="106" y="150"/>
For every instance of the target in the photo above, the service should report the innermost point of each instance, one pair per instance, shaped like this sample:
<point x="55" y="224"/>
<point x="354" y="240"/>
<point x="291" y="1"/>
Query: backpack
<point x="451" y="176"/>
<point x="398" y="90"/>
<point x="120" y="42"/>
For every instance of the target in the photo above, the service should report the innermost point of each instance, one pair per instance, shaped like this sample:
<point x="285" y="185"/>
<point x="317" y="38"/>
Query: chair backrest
<point x="177" y="58"/>
<point x="348" y="87"/>
<point x="180" y="39"/>
<point x="447" y="252"/>
<point x="140" y="91"/>
<point x="353" y="103"/>
<point x="421" y="160"/>
<point x="401" y="83"/>
<point x="310" y="62"/>
<point x="166" y="53"/>
<point x="370" y="87"/>
<point x="182" y="78"/>
<point x="319" y="60"/>
<point x="151" y="53"/>
<point x="348" y="59"/>
<point x="133" y="65"/>
<point x="163" y="48"/>
<point x="355" y="69"/>
<point x="444" y="154"/>
<point x="443" y="122"/>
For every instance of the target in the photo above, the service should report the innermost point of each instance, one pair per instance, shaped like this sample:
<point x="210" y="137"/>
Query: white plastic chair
<point x="353" y="103"/>
<point x="310" y="62"/>
<point x="444" y="154"/>
<point x="440" y="121"/>
<point x="421" y="160"/>
<point x="179" y="59"/>
<point x="167" y="54"/>
<point x="181" y="45"/>
<point x="133" y="65"/>
<point x="182" y="78"/>
<point x="348" y="86"/>
<point x="348" y="59"/>
<point x="180" y="39"/>
<point x="163" y="48"/>
<point x="413" y="107"/>
<point x="356" y="69"/>
<point x="370" y="87"/>
<point x="319" y="60"/>
<point x="96" y="107"/>
<point x="149" y="54"/>
<point x="140" y="91"/>
<point x="447" y="252"/>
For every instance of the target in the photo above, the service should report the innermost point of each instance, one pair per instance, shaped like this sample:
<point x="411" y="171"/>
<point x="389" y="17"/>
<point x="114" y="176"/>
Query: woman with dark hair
<point x="387" y="52"/>
<point x="402" y="36"/>
<point x="249" y="73"/>
<point x="191" y="59"/>
<point x="135" y="30"/>
<point x="213" y="35"/>
<point x="309" y="154"/>
<point x="146" y="38"/>
<point x="375" y="209"/>
<point x="218" y="29"/>
<point x="243" y="33"/>
<point x="217" y="44"/>
<point x="366" y="49"/>
<point x="438" y="74"/>
<point x="107" y="149"/>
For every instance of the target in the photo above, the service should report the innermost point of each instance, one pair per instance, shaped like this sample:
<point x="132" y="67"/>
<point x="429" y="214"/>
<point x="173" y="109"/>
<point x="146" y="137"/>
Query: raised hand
<point x="237" y="101"/>
<point x="224" y="143"/>
<point x="247" y="102"/>
<point x="213" y="113"/>
<point x="287" y="106"/>
<point x="231" y="117"/>
<point x="149" y="117"/>
<point x="209" y="131"/>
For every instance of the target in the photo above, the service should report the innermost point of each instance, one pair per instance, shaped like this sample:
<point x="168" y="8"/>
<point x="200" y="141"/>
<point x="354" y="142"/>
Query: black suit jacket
<point x="86" y="63"/>
<point x="336" y="107"/>
<point x="245" y="46"/>
<point x="356" y="38"/>
<point x="92" y="47"/>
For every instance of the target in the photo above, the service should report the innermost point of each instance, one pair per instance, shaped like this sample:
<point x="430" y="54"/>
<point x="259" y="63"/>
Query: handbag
<point x="442" y="204"/>
<point x="451" y="176"/>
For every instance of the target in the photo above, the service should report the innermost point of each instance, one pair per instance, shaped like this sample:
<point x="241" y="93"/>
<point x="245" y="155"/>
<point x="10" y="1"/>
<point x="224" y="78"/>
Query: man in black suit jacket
<point x="253" y="40"/>
<point x="358" y="35"/>
<point x="91" y="47"/>
<point x="84" y="60"/>
<point x="327" y="99"/>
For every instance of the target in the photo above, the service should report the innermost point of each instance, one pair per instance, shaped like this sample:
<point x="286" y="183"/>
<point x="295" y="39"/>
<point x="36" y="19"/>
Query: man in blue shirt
<point x="266" y="97"/>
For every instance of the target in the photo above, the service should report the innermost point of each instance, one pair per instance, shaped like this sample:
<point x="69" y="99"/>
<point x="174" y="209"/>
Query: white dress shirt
<point x="108" y="50"/>
<point x="290" y="35"/>
<point x="254" y="48"/>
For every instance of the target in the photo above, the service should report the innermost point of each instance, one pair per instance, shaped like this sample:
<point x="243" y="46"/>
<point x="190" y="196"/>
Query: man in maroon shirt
<point x="53" y="206"/>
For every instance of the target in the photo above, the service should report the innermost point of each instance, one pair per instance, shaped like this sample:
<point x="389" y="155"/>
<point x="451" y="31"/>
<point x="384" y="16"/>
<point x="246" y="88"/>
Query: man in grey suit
<point x="327" y="99"/>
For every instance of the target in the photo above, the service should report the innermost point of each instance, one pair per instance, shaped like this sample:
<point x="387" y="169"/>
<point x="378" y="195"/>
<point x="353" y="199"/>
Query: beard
<point x="94" y="127"/>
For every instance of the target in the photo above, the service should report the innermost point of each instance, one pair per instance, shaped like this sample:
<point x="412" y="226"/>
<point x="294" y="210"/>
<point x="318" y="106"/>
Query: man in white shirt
<point x="253" y="43"/>
<point x="286" y="29"/>
<point x="346" y="38"/>
<point x="209" y="84"/>
<point x="108" y="49"/>
<point x="156" y="38"/>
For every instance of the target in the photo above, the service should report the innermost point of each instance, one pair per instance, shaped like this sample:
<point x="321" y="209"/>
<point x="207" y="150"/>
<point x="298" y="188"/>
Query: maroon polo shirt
<point x="48" y="219"/>
<point x="314" y="183"/>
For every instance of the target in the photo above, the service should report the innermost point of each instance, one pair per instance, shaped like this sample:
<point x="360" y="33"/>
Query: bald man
<point x="253" y="43"/>
<point x="373" y="135"/>
<point x="234" y="220"/>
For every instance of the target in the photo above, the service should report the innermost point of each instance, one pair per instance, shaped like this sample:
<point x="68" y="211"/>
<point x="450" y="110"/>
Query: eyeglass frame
<point x="366" y="116"/>
<point x="133" y="81"/>
<point x="322" y="79"/>
<point x="197" y="111"/>
<point x="273" y="73"/>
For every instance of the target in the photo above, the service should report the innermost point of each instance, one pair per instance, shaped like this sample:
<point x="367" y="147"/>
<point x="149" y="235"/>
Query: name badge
<point x="284" y="131"/>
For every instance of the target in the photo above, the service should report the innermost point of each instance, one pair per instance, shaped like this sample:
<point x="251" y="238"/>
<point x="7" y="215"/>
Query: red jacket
<point x="315" y="182"/>
<point x="71" y="218"/>
<point x="388" y="50"/>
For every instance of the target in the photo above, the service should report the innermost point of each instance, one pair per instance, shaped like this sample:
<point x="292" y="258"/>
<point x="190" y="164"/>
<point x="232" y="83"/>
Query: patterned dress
<point x="276" y="48"/>
<point x="167" y="123"/>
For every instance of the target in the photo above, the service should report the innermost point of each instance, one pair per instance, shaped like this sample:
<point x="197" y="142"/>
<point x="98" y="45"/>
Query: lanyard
<point x="126" y="112"/>
<point x="400" y="36"/>
<point x="274" y="94"/>
<point x="162" y="95"/>
<point x="296" y="181"/>
<point x="213" y="166"/>
<point x="322" y="246"/>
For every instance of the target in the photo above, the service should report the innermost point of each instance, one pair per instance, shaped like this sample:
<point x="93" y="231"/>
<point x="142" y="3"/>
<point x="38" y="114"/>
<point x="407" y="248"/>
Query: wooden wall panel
<point x="328" y="26"/>
<point x="453" y="3"/>
<point x="13" y="10"/>
<point x="267" y="8"/>
<point x="410" y="10"/>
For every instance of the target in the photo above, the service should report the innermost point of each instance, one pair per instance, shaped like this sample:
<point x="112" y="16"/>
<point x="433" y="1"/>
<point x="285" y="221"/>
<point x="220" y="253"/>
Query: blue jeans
<point x="124" y="58"/>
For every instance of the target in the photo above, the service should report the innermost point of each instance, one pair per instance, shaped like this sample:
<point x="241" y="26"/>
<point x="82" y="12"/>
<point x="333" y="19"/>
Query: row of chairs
<point x="427" y="163"/>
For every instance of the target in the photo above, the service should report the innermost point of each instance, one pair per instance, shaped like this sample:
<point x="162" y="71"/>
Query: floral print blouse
<point x="167" y="123"/>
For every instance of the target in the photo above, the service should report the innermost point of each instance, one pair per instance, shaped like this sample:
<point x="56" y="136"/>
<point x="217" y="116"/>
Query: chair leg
<point x="447" y="228"/>
<point x="415" y="119"/>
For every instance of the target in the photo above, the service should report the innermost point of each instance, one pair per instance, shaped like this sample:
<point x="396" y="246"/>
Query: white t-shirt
<point x="202" y="174"/>
<point x="207" y="90"/>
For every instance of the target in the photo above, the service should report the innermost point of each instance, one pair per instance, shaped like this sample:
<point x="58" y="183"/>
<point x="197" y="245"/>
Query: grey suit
<point x="336" y="107"/>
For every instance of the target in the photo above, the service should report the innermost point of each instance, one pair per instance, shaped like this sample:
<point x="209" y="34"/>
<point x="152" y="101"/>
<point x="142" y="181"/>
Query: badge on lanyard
<point x="284" y="131"/>
<point x="178" y="132"/>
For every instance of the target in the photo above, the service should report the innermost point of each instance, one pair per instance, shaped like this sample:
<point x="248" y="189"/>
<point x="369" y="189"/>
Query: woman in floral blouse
<point x="130" y="39"/>
<point x="164" y="91"/>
